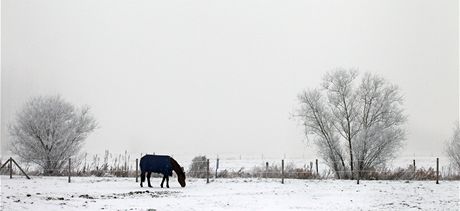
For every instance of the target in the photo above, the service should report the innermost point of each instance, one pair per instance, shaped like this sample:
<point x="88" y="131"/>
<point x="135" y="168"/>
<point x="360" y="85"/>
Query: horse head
<point x="181" y="179"/>
<point x="179" y="171"/>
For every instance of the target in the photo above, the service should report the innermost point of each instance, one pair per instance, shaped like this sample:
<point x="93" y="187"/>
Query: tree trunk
<point x="351" y="158"/>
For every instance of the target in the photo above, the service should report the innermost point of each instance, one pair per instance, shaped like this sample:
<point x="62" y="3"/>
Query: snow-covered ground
<point x="97" y="193"/>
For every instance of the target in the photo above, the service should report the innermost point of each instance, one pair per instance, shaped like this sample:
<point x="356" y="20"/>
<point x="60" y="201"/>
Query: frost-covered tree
<point x="453" y="148"/>
<point x="318" y="123"/>
<point x="48" y="131"/>
<point x="356" y="124"/>
<point x="198" y="167"/>
<point x="344" y="107"/>
<point x="381" y="121"/>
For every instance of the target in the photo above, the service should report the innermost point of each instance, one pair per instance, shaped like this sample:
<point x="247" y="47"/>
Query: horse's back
<point x="156" y="163"/>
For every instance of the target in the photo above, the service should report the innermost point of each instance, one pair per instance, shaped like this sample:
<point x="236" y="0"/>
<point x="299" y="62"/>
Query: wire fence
<point x="212" y="169"/>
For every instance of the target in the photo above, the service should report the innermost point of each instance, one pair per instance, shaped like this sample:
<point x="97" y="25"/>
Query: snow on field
<point x="106" y="193"/>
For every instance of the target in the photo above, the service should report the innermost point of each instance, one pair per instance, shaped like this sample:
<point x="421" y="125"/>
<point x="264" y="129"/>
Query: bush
<point x="233" y="174"/>
<point x="198" y="168"/>
<point x="290" y="171"/>
<point x="402" y="174"/>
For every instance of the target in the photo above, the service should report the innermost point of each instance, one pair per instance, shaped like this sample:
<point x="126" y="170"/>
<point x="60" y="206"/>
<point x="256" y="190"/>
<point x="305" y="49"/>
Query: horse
<point x="162" y="164"/>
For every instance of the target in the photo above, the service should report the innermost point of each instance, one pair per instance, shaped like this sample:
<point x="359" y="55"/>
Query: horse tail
<point x="142" y="167"/>
<point x="142" y="176"/>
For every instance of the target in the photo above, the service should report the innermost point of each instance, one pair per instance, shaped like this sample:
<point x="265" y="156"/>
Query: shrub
<point x="198" y="168"/>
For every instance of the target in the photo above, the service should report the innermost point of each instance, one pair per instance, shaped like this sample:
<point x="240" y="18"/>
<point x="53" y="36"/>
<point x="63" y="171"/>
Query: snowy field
<point x="96" y="193"/>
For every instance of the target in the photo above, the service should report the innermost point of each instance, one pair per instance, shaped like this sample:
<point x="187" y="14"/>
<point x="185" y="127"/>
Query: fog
<point x="222" y="77"/>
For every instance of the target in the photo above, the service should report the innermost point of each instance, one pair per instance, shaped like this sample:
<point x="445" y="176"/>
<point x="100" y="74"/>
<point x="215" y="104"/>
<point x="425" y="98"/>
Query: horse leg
<point x="167" y="181"/>
<point x="148" y="178"/>
<point x="162" y="181"/>
<point x="142" y="178"/>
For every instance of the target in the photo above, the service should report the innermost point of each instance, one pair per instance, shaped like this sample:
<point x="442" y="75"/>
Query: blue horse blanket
<point x="160" y="164"/>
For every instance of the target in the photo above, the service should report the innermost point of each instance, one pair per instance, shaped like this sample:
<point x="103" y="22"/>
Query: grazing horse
<point x="161" y="164"/>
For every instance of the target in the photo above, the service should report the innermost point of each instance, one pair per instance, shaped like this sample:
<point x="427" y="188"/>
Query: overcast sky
<point x="221" y="77"/>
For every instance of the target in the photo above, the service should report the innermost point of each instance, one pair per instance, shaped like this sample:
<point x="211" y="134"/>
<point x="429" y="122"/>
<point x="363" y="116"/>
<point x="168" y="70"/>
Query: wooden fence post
<point x="437" y="170"/>
<point x="10" y="162"/>
<point x="415" y="170"/>
<point x="266" y="170"/>
<point x="70" y="171"/>
<point x="317" y="172"/>
<point x="11" y="167"/>
<point x="4" y="164"/>
<point x="282" y="171"/>
<point x="357" y="178"/>
<point x="19" y="167"/>
<point x="207" y="171"/>
<point x="217" y="166"/>
<point x="137" y="169"/>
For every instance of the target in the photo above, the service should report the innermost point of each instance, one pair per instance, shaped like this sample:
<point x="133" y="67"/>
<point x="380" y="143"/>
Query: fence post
<point x="137" y="169"/>
<point x="282" y="171"/>
<point x="357" y="178"/>
<point x="266" y="170"/>
<point x="217" y="166"/>
<point x="207" y="171"/>
<point x="4" y="164"/>
<point x="11" y="167"/>
<point x="19" y="167"/>
<point x="415" y="170"/>
<point x="437" y="170"/>
<point x="69" y="170"/>
<point x="317" y="172"/>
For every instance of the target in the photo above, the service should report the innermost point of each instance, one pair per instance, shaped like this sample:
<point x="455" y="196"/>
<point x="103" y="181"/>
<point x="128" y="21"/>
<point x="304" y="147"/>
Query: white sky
<point x="221" y="77"/>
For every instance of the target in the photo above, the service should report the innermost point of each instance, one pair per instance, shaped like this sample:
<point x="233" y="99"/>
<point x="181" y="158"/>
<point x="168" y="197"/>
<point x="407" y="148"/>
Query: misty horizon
<point x="216" y="78"/>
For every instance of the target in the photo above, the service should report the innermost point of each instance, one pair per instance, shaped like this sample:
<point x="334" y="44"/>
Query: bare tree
<point x="343" y="103"/>
<point x="453" y="148"/>
<point x="48" y="131"/>
<point x="353" y="124"/>
<point x="381" y="119"/>
<point x="319" y="123"/>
